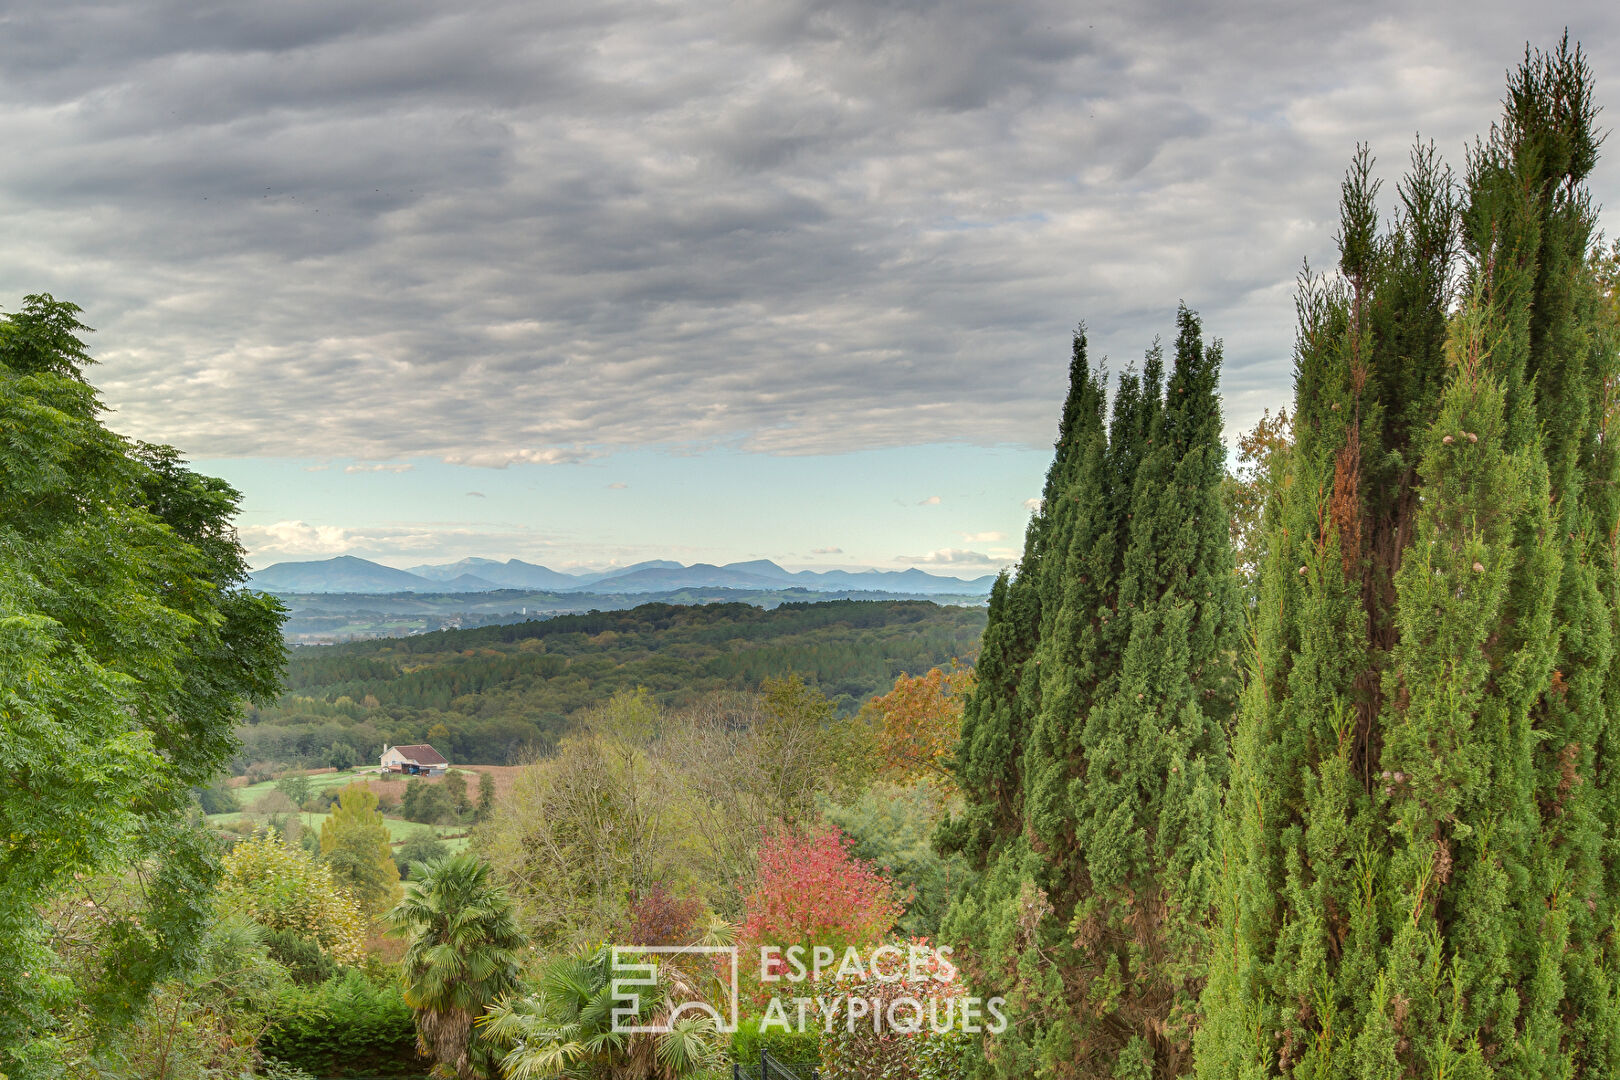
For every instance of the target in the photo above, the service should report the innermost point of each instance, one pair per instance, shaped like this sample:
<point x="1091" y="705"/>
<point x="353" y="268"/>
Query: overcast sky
<point x="592" y="282"/>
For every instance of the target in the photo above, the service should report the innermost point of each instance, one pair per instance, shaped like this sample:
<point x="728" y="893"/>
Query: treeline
<point x="493" y="694"/>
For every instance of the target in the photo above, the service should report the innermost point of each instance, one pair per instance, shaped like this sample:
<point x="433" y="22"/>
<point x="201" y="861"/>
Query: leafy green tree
<point x="891" y="826"/>
<point x="217" y="798"/>
<point x="128" y="643"/>
<point x="807" y="750"/>
<point x="342" y="757"/>
<point x="426" y="803"/>
<point x="486" y="795"/>
<point x="413" y="795"/>
<point x="423" y="847"/>
<point x="461" y="956"/>
<point x="743" y="766"/>
<point x="455" y="786"/>
<point x="583" y="831"/>
<point x="1094" y="750"/>
<point x="285" y="888"/>
<point x="1414" y="879"/>
<point x="207" y="1022"/>
<point x="297" y="787"/>
<point x="356" y="844"/>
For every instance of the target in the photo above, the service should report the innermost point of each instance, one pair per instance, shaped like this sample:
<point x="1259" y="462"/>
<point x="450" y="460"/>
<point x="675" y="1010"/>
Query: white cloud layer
<point x="405" y="543"/>
<point x="387" y="467"/>
<point x="950" y="557"/>
<point x="502" y="232"/>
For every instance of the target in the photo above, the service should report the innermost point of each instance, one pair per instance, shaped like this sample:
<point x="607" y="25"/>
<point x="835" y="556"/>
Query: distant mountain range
<point x="349" y="574"/>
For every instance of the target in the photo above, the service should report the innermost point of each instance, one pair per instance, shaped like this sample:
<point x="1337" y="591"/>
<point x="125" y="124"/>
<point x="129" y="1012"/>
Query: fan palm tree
<point x="462" y="955"/>
<point x="565" y="1030"/>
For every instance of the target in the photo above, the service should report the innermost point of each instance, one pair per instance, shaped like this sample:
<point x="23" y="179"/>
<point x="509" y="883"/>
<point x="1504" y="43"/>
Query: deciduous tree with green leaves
<point x="128" y="644"/>
<point x="455" y="786"/>
<point x="285" y="888"/>
<point x="486" y="795"/>
<point x="356" y="844"/>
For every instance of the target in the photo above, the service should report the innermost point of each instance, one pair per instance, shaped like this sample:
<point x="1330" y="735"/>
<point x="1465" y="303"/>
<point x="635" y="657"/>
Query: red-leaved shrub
<point x="811" y="891"/>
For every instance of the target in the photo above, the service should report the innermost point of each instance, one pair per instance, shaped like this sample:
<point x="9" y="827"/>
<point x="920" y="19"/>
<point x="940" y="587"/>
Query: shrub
<point x="260" y="771"/>
<point x="421" y="848"/>
<point x="218" y="799"/>
<point x="347" y="1024"/>
<point x="856" y="1049"/>
<point x="272" y="1069"/>
<point x="427" y="803"/>
<point x="788" y="1046"/>
<point x="660" y="917"/>
<point x="274" y="801"/>
<point x="284" y="888"/>
<point x="303" y="958"/>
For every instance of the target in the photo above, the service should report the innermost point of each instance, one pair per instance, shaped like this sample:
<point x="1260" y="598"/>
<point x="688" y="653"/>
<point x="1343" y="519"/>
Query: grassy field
<point x="393" y="784"/>
<point x="454" y="836"/>
<point x="322" y="779"/>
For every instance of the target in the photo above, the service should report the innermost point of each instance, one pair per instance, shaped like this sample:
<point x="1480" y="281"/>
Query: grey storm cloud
<point x="505" y="232"/>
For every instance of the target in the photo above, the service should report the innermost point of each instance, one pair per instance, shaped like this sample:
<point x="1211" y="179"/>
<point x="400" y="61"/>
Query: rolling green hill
<point x="486" y="695"/>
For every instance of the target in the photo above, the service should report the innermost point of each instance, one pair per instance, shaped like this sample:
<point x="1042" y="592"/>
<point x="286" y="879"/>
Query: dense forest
<point x="1306" y="768"/>
<point x="493" y="695"/>
<point x="328" y="618"/>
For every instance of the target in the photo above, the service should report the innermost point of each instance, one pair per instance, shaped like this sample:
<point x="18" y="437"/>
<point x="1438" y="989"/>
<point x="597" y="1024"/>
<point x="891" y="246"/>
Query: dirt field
<point x="394" y="784"/>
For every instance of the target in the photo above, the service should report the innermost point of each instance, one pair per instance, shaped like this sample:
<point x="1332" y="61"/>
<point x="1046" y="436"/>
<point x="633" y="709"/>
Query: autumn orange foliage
<point x="918" y="722"/>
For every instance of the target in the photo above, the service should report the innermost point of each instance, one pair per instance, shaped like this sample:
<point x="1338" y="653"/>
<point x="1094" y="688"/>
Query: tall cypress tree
<point x="1092" y="826"/>
<point x="1529" y="235"/>
<point x="1413" y="870"/>
<point x="989" y="759"/>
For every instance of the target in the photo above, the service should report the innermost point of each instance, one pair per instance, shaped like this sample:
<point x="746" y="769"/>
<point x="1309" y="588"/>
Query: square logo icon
<point x="636" y="968"/>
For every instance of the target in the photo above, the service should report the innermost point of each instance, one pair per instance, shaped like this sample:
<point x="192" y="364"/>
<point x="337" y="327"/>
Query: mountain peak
<point x="351" y="573"/>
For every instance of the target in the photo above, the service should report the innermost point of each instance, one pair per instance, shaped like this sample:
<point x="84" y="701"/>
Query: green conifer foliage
<point x="989" y="763"/>
<point x="1413" y="872"/>
<point x="1093" y="829"/>
<point x="1542" y="291"/>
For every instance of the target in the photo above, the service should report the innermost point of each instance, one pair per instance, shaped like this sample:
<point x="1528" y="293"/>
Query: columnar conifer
<point x="1093" y="747"/>
<point x="1414" y="872"/>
